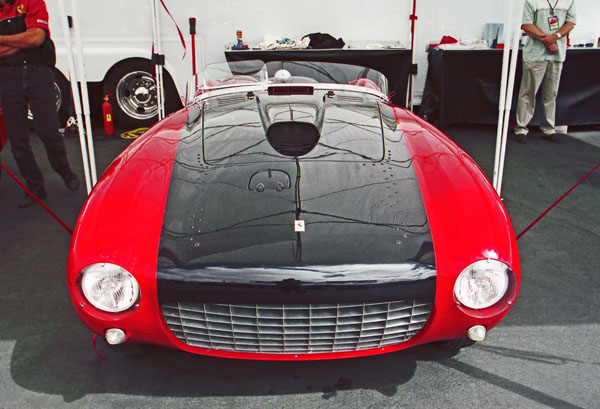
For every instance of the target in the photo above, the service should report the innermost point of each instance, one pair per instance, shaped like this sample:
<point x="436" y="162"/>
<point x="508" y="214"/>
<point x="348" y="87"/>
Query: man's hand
<point x="548" y="39"/>
<point x="5" y="50"/>
<point x="553" y="48"/>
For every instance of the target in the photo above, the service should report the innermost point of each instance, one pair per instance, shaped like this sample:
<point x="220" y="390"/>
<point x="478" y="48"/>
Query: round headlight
<point x="109" y="287"/>
<point x="482" y="284"/>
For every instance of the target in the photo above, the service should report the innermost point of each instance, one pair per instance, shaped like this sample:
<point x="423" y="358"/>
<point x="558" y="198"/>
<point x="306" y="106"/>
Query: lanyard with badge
<point x="553" y="19"/>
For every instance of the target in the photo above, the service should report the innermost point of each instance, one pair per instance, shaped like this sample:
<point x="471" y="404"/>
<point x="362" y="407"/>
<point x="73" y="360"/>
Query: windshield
<point x="328" y="73"/>
<point x="261" y="75"/>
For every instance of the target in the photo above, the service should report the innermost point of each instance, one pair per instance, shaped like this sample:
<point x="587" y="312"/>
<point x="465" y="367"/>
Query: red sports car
<point x="290" y="212"/>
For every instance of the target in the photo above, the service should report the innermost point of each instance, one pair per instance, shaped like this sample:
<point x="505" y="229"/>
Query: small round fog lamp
<point x="114" y="336"/>
<point x="476" y="333"/>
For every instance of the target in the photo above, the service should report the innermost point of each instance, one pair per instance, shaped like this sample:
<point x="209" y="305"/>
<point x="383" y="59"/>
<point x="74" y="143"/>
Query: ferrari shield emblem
<point x="298" y="225"/>
<point x="20" y="8"/>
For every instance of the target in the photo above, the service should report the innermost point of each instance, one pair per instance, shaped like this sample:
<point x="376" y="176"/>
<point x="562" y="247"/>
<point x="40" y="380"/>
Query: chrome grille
<point x="289" y="329"/>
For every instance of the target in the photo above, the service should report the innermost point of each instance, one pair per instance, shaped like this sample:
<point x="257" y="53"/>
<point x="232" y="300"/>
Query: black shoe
<point x="29" y="201"/>
<point x="71" y="181"/>
<point x="521" y="138"/>
<point x="551" y="137"/>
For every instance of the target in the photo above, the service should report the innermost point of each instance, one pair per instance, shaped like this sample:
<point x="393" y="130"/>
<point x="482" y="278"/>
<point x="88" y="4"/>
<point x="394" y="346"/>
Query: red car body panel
<point x="125" y="229"/>
<point x="464" y="213"/>
<point x="123" y="219"/>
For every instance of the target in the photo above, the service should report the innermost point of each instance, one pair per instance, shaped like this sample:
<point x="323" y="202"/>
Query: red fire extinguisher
<point x="109" y="125"/>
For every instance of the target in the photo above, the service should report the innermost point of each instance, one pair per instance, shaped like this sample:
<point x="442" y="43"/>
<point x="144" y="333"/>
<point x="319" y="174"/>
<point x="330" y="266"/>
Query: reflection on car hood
<point x="347" y="273"/>
<point x="353" y="199"/>
<point x="289" y="284"/>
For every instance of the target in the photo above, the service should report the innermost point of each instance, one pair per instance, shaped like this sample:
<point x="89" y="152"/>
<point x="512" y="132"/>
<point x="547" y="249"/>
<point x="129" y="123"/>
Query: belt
<point x="25" y="64"/>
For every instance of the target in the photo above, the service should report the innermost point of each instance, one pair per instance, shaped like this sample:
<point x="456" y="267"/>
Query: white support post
<point x="512" y="36"/>
<point x="158" y="64"/>
<point x="75" y="91"/>
<point x="502" y="103"/>
<point x="81" y="77"/>
<point x="509" y="94"/>
<point x="411" y="77"/>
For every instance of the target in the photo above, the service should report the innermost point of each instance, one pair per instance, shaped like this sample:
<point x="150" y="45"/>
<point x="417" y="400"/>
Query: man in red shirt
<point x="27" y="56"/>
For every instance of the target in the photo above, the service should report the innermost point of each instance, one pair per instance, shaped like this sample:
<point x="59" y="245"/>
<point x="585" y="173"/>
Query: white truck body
<point x="117" y="36"/>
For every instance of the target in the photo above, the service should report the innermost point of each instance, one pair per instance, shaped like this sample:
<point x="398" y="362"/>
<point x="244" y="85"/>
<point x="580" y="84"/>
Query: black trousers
<point x="33" y="84"/>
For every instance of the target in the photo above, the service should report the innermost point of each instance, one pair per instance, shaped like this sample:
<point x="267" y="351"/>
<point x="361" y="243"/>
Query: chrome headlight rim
<point x="506" y="288"/>
<point x="121" y="289"/>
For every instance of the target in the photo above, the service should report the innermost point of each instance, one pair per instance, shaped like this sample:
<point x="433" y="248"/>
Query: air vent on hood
<point x="293" y="138"/>
<point x="349" y="98"/>
<point x="230" y="100"/>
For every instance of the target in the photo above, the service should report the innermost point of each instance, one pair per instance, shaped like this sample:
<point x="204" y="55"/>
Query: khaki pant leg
<point x="549" y="93"/>
<point x="533" y="74"/>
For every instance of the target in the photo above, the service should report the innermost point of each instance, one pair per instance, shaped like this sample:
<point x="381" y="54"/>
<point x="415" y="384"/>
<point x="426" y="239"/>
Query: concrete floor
<point x="544" y="354"/>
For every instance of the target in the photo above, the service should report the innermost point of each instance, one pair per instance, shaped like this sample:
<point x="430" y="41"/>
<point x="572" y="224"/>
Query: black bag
<point x="321" y="41"/>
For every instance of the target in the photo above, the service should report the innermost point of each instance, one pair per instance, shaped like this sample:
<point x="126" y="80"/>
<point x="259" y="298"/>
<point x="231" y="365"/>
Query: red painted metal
<point x="125" y="229"/>
<point x="467" y="219"/>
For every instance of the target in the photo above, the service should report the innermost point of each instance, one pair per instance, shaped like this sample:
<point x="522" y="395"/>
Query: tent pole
<point x="75" y="91"/>
<point x="158" y="64"/>
<point x="511" y="85"/>
<point x="503" y="85"/>
<point x="84" y="91"/>
<point x="413" y="18"/>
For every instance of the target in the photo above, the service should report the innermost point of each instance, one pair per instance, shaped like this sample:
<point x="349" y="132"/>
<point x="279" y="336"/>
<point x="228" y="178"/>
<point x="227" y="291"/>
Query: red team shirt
<point x="35" y="13"/>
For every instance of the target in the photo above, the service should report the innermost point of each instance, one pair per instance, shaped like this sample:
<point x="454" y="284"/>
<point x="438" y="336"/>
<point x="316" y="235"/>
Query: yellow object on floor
<point x="136" y="133"/>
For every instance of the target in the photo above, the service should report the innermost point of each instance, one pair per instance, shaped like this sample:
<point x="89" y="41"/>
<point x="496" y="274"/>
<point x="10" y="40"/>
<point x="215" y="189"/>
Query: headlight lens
<point x="482" y="284"/>
<point x="109" y="287"/>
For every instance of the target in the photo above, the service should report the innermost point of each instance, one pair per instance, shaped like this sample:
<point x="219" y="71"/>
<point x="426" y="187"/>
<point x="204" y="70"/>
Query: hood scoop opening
<point x="292" y="138"/>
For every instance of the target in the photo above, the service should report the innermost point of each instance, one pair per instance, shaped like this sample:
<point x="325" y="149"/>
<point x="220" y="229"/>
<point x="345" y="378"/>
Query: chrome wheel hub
<point x="136" y="95"/>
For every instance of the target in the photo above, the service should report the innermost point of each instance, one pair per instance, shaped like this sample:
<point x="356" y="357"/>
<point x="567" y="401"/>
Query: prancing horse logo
<point x="20" y="8"/>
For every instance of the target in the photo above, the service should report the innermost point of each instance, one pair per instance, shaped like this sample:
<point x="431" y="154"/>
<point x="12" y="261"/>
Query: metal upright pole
<point x="84" y="91"/>
<point x="157" y="57"/>
<point x="75" y="91"/>
<point x="502" y="103"/>
<point x="511" y="84"/>
<point x="413" y="19"/>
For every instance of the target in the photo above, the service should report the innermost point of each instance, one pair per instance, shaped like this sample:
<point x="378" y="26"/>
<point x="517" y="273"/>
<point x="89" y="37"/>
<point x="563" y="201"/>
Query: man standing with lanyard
<point x="547" y="23"/>
<point x="27" y="56"/>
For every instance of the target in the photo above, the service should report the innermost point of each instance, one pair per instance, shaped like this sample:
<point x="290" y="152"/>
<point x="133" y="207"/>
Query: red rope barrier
<point x="30" y="193"/>
<point x="557" y="202"/>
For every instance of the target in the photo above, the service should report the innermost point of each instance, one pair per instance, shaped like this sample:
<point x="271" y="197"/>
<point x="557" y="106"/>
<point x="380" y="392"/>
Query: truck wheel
<point x="133" y="91"/>
<point x="62" y="91"/>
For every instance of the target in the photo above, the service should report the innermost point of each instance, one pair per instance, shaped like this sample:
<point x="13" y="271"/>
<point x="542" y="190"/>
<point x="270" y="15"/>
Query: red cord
<point x="30" y="193"/>
<point x="96" y="349"/>
<point x="181" y="38"/>
<point x="555" y="203"/>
